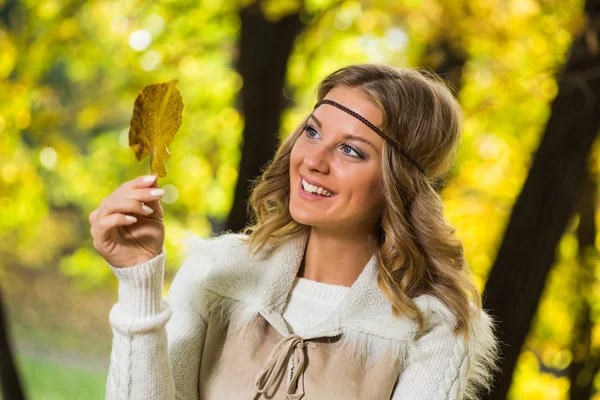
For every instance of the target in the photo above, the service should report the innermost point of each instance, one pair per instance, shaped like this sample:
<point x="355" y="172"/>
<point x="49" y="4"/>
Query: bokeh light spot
<point x="155" y="24"/>
<point x="48" y="157"/>
<point x="119" y="24"/>
<point x="343" y="20"/>
<point x="150" y="60"/>
<point x="124" y="138"/>
<point x="396" y="39"/>
<point x="190" y="163"/>
<point x="140" y="40"/>
<point x="190" y="66"/>
<point x="23" y="119"/>
<point x="171" y="194"/>
<point x="9" y="173"/>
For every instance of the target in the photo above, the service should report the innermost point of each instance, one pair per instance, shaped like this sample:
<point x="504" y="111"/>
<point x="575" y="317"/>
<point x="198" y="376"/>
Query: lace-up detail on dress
<point x="276" y="365"/>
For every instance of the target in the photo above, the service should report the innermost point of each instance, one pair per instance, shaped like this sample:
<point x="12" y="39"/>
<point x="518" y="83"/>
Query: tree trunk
<point x="7" y="14"/>
<point x="446" y="59"/>
<point x="264" y="51"/>
<point x="9" y="378"/>
<point x="585" y="360"/>
<point x="546" y="203"/>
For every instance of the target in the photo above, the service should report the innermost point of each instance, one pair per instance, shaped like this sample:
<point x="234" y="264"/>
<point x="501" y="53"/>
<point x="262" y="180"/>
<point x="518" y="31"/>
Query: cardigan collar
<point x="364" y="307"/>
<point x="263" y="283"/>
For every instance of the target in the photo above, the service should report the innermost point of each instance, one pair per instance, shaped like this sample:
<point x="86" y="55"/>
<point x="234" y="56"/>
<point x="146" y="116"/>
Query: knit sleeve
<point x="441" y="365"/>
<point x="157" y="344"/>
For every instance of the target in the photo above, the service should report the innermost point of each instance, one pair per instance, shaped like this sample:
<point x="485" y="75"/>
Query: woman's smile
<point x="311" y="196"/>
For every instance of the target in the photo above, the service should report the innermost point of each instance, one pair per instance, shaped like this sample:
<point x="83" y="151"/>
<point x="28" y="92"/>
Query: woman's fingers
<point x="106" y="224"/>
<point x="92" y="216"/>
<point x="140" y="182"/>
<point x="128" y="205"/>
<point x="150" y="197"/>
<point x="121" y="200"/>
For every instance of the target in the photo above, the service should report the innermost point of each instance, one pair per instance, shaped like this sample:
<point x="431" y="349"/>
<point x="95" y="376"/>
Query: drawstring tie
<point x="273" y="366"/>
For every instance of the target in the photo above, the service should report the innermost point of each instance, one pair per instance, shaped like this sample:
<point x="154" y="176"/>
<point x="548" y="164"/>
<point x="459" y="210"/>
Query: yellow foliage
<point x="8" y="55"/>
<point x="85" y="263"/>
<point x="274" y="10"/>
<point x="529" y="383"/>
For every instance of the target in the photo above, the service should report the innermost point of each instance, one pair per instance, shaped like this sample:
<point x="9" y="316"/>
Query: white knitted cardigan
<point x="157" y="344"/>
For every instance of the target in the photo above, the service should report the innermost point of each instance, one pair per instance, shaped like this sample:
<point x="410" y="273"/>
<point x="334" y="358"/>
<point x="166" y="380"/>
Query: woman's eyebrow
<point x="316" y="120"/>
<point x="349" y="136"/>
<point x="360" y="139"/>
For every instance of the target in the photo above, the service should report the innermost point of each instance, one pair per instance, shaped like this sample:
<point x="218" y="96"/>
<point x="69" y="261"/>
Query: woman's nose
<point x="317" y="160"/>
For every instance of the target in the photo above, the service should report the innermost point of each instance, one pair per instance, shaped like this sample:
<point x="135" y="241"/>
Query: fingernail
<point x="149" y="178"/>
<point x="157" y="192"/>
<point x="130" y="218"/>
<point x="147" y="209"/>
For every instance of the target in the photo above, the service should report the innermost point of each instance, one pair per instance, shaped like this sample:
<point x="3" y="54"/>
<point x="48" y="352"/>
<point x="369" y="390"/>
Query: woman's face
<point x="348" y="167"/>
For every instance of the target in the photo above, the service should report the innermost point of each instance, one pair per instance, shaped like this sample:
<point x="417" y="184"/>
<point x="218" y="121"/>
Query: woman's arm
<point x="441" y="365"/>
<point x="157" y="344"/>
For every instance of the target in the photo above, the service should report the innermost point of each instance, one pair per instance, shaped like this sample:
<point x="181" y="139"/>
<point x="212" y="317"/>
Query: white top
<point x="311" y="302"/>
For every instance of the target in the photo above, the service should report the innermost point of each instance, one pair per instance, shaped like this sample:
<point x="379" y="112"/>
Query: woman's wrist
<point x="140" y="286"/>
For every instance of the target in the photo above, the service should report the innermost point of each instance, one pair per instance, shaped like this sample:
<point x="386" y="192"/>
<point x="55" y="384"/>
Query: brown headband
<point x="389" y="139"/>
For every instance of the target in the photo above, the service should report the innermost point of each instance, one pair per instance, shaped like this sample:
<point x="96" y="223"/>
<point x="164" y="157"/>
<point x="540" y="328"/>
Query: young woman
<point x="348" y="284"/>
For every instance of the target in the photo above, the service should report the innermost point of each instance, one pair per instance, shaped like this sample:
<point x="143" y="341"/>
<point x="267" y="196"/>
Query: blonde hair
<point x="418" y="251"/>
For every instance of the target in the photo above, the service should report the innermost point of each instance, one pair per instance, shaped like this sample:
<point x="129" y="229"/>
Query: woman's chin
<point x="303" y="219"/>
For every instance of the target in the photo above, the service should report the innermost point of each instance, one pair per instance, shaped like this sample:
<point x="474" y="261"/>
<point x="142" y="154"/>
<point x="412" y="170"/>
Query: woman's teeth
<point x="315" y="189"/>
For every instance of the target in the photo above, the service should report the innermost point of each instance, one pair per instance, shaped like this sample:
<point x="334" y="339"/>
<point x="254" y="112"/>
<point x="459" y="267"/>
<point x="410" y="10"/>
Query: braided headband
<point x="389" y="139"/>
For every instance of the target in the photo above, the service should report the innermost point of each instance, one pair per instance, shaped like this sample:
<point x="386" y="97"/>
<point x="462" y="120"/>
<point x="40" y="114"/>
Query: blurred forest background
<point x="522" y="194"/>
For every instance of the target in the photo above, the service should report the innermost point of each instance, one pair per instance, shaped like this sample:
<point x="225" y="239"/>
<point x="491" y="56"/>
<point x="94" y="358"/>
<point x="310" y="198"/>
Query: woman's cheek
<point x="372" y="188"/>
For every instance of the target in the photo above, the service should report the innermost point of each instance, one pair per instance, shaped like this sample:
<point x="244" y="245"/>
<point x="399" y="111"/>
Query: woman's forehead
<point x="345" y="115"/>
<point x="353" y="99"/>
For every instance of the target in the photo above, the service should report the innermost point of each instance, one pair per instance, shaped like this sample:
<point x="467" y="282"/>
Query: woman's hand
<point x="125" y="231"/>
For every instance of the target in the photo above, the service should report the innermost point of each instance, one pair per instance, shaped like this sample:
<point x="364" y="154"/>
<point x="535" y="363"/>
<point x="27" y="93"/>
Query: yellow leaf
<point x="155" y="121"/>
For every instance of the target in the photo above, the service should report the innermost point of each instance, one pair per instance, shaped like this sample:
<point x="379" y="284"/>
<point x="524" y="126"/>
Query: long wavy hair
<point x="418" y="250"/>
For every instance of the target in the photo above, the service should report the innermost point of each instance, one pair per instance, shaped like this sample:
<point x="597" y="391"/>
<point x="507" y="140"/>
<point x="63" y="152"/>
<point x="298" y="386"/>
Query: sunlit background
<point x="71" y="70"/>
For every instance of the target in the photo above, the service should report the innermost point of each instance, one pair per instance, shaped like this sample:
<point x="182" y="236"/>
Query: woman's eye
<point x="347" y="146"/>
<point x="310" y="130"/>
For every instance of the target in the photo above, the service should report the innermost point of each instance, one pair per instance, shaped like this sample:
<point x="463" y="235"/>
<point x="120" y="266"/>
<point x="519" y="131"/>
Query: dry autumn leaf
<point x="155" y="121"/>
